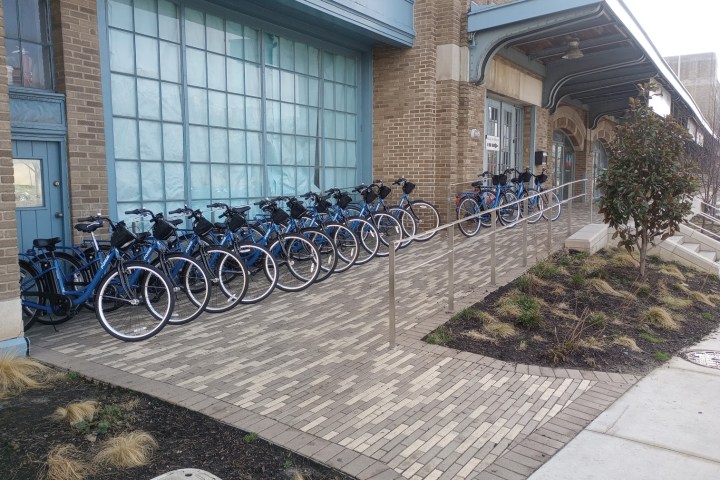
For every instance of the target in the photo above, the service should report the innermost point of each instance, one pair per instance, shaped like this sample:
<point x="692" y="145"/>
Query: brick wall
<point x="77" y="68"/>
<point x="8" y="228"/>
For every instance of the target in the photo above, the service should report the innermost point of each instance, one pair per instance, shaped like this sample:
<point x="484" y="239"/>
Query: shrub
<point x="659" y="317"/>
<point x="18" y="374"/>
<point x="627" y="342"/>
<point x="662" y="356"/>
<point x="545" y="269"/>
<point x="64" y="463"/>
<point x="500" y="330"/>
<point x="129" y="450"/>
<point x="439" y="336"/>
<point x="76" y="412"/>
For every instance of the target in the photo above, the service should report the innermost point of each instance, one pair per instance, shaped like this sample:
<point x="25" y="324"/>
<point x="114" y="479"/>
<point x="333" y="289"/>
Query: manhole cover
<point x="706" y="358"/>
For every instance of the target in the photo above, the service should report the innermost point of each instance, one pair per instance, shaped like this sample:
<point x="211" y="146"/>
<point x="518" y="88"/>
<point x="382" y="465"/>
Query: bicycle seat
<point x="176" y="221"/>
<point x="87" y="227"/>
<point x="478" y="184"/>
<point x="47" y="243"/>
<point x="241" y="209"/>
<point x="220" y="225"/>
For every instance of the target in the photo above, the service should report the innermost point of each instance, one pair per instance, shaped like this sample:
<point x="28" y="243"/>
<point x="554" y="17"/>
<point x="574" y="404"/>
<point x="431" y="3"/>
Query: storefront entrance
<point x="563" y="154"/>
<point x="503" y="136"/>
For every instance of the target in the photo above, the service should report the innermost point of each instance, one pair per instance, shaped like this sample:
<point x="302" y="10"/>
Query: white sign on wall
<point x="492" y="143"/>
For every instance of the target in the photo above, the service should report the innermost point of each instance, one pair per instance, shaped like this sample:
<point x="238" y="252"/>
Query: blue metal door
<point x="38" y="191"/>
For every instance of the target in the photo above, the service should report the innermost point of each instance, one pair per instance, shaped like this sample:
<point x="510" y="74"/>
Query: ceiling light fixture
<point x="573" y="50"/>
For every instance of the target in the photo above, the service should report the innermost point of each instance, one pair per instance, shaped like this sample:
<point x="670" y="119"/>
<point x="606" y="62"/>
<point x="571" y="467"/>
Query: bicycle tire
<point x="191" y="285"/>
<point x="389" y="230"/>
<point x="262" y="271"/>
<point x="229" y="277"/>
<point x="466" y="212"/>
<point x="326" y="248"/>
<point x="29" y="287"/>
<point x="75" y="277"/>
<point x="346" y="243"/>
<point x="552" y="205"/>
<point x="426" y="218"/>
<point x="298" y="262"/>
<point x="368" y="236"/>
<point x="509" y="215"/>
<point x="154" y="305"/>
<point x="534" y="205"/>
<point x="407" y="222"/>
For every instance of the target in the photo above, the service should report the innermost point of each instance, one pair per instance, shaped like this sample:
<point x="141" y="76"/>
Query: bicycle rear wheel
<point x="134" y="302"/>
<point x="298" y="262"/>
<point x="191" y="286"/>
<point x="508" y="214"/>
<point x="75" y="276"/>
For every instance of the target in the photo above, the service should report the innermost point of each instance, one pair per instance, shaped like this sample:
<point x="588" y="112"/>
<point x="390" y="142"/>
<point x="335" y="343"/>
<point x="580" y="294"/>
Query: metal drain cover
<point x="706" y="358"/>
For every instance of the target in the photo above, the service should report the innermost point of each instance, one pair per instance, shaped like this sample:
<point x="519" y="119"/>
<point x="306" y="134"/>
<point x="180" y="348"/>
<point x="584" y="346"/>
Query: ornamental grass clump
<point x="18" y="374"/>
<point x="661" y="318"/>
<point x="76" y="412"/>
<point x="129" y="450"/>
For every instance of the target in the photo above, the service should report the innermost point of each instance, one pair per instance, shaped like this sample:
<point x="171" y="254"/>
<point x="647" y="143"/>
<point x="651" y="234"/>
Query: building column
<point x="77" y="75"/>
<point x="11" y="325"/>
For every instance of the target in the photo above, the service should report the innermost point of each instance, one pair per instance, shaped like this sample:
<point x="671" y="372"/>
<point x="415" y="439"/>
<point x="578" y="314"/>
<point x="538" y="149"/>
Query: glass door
<point x="563" y="162"/>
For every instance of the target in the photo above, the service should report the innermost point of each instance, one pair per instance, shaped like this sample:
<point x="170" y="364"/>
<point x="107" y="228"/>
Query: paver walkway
<point x="313" y="372"/>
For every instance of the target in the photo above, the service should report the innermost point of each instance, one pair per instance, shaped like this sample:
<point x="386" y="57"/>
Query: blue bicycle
<point x="133" y="300"/>
<point x="471" y="205"/>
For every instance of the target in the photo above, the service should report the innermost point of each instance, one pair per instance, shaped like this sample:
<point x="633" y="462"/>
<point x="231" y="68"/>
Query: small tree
<point x="647" y="189"/>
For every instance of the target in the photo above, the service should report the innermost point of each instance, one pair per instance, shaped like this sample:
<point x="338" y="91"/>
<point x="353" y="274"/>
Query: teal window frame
<point x="340" y="157"/>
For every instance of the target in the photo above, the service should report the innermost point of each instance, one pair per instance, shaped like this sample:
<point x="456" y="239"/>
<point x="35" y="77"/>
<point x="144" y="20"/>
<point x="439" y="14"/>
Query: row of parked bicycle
<point x="137" y="283"/>
<point x="471" y="206"/>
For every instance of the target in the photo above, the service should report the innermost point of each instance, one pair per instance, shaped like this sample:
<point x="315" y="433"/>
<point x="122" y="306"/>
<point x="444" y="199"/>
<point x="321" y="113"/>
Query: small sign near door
<point x="492" y="143"/>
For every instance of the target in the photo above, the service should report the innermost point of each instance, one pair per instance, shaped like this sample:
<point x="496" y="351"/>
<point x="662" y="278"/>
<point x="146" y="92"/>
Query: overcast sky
<point x="678" y="27"/>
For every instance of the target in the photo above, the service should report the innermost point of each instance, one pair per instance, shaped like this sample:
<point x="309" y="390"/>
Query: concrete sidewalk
<point x="664" y="427"/>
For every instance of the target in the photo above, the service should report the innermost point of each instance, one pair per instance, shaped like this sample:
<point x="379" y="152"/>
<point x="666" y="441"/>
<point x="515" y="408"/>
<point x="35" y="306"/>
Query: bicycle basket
<point x="162" y="230"/>
<point x="121" y="237"/>
<point x="524" y="177"/>
<point x="236" y="222"/>
<point x="384" y="191"/>
<point x="408" y="187"/>
<point x="202" y="226"/>
<point x="297" y="210"/>
<point x="369" y="196"/>
<point x="542" y="178"/>
<point x="499" y="179"/>
<point x="279" y="216"/>
<point x="344" y="200"/>
<point x="322" y="206"/>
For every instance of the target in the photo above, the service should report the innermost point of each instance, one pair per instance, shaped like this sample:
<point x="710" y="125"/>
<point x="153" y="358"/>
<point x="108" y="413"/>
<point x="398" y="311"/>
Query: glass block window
<point x="27" y="42"/>
<point x="221" y="111"/>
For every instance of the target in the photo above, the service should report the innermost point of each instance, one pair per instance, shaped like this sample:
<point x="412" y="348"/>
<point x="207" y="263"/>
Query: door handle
<point x="59" y="215"/>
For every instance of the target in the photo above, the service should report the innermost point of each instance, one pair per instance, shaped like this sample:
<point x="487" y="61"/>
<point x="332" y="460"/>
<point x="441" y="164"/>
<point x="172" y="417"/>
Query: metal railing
<point x="492" y="232"/>
<point x="713" y="218"/>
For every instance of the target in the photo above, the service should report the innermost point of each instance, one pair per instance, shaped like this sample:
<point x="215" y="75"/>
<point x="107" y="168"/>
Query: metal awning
<point x="617" y="54"/>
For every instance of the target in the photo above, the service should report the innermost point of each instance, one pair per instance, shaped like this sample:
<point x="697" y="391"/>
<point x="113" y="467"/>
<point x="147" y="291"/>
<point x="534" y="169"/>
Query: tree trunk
<point x="643" y="253"/>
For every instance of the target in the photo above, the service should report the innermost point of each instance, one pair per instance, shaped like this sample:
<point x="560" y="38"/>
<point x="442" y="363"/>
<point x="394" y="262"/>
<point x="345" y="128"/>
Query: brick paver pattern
<point x="318" y="362"/>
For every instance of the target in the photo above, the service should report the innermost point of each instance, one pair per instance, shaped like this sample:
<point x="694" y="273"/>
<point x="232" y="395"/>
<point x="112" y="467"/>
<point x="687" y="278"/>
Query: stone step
<point x="678" y="239"/>
<point x="710" y="255"/>
<point x="693" y="247"/>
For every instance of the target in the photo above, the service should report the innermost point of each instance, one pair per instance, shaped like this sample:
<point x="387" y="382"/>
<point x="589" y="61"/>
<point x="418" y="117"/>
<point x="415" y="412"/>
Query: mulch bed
<point x="186" y="439"/>
<point x="578" y="325"/>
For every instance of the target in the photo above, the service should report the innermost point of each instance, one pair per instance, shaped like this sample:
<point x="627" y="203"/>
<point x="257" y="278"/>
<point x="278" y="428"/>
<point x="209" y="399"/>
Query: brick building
<point x="110" y="105"/>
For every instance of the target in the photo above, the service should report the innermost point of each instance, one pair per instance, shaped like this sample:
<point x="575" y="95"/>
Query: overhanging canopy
<point x="617" y="54"/>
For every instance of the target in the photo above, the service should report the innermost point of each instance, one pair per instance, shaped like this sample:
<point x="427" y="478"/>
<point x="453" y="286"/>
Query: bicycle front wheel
<point x="134" y="302"/>
<point x="552" y="205"/>
<point x="534" y="205"/>
<point x="326" y="248"/>
<point x="347" y="245"/>
<point x="426" y="217"/>
<point x="298" y="262"/>
<point x="368" y="236"/>
<point x="262" y="271"/>
<point x="467" y="213"/>
<point x="508" y="214"/>
<point x="229" y="277"/>
<point x="389" y="230"/>
<point x="29" y="291"/>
